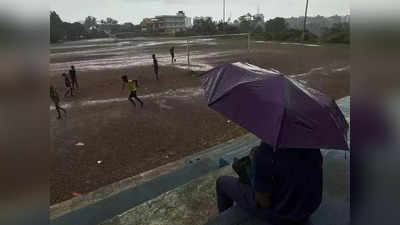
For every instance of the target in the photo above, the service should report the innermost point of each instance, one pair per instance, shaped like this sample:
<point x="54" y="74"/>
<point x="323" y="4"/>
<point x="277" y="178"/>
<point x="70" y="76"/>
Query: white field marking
<point x="346" y="68"/>
<point x="180" y="94"/>
<point x="320" y="69"/>
<point x="300" y="44"/>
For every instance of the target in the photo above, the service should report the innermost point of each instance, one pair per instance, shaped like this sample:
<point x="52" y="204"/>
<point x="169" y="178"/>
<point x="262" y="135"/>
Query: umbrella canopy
<point x="279" y="110"/>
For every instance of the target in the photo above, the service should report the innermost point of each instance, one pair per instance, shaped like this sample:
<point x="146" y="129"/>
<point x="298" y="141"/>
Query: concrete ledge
<point x="76" y="203"/>
<point x="329" y="213"/>
<point x="190" y="204"/>
<point x="116" y="204"/>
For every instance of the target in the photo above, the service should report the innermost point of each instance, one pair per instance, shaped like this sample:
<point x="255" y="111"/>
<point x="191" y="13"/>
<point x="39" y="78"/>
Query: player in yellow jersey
<point x="132" y="86"/>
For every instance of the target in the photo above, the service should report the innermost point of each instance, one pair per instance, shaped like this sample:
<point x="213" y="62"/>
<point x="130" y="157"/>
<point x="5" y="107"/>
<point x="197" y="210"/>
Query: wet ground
<point x="104" y="138"/>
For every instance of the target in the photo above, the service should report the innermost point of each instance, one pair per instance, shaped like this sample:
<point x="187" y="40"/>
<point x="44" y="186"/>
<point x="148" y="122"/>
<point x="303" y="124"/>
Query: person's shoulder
<point x="265" y="147"/>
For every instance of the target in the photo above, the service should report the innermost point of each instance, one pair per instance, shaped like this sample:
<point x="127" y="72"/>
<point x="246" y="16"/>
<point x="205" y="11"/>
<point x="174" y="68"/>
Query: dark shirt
<point x="293" y="177"/>
<point x="155" y="62"/>
<point x="72" y="74"/>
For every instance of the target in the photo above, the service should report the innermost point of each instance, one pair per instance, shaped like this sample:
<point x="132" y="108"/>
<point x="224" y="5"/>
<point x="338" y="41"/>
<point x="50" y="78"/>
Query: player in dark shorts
<point x="56" y="100"/>
<point x="67" y="83"/>
<point x="132" y="86"/>
<point x="74" y="79"/>
<point x="172" y="52"/>
<point x="155" y="65"/>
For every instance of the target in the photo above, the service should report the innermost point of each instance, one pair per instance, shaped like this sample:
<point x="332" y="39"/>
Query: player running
<point x="155" y="65"/>
<point x="56" y="100"/>
<point x="132" y="85"/>
<point x="67" y="83"/>
<point x="74" y="79"/>
<point x="172" y="52"/>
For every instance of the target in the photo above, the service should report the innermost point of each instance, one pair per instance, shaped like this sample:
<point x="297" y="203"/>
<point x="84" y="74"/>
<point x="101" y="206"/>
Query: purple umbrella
<point x="279" y="110"/>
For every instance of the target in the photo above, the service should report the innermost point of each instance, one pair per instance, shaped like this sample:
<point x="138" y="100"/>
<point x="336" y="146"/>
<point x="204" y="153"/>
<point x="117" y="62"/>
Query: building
<point x="188" y="22"/>
<point x="173" y="23"/>
<point x="345" y="19"/>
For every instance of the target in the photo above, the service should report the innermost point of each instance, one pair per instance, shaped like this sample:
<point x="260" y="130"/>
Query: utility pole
<point x="224" y="11"/>
<point x="305" y="22"/>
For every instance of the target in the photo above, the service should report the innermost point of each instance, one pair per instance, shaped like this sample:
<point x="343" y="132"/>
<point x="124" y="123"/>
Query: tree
<point x="75" y="31"/>
<point x="57" y="32"/>
<point x="221" y="26"/>
<point x="245" y="23"/>
<point x="205" y="26"/>
<point x="338" y="33"/>
<point x="276" y="25"/>
<point x="111" y="21"/>
<point x="90" y="22"/>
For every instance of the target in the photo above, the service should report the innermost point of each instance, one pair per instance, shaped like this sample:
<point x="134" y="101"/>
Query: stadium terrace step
<point x="116" y="204"/>
<point x="329" y="213"/>
<point x="189" y="204"/>
<point x="194" y="203"/>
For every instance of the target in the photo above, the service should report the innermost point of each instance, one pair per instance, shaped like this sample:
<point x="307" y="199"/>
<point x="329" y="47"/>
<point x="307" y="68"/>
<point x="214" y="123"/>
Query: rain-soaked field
<point x="104" y="138"/>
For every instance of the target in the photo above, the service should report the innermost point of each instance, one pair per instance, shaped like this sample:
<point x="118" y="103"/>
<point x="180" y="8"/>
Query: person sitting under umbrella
<point x="283" y="177"/>
<point x="285" y="186"/>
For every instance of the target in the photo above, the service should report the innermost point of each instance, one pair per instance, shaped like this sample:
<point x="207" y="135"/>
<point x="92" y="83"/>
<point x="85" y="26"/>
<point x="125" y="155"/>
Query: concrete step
<point x="107" y="208"/>
<point x="332" y="212"/>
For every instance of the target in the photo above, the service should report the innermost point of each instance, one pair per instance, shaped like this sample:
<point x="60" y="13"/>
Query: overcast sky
<point x="135" y="10"/>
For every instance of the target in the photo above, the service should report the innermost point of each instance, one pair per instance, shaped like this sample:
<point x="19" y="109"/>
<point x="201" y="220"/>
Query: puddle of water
<point x="320" y="70"/>
<point x="163" y="104"/>
<point x="346" y="68"/>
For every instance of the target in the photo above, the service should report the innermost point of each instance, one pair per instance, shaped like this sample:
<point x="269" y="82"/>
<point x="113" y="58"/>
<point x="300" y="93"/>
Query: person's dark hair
<point x="124" y="78"/>
<point x="154" y="55"/>
<point x="73" y="67"/>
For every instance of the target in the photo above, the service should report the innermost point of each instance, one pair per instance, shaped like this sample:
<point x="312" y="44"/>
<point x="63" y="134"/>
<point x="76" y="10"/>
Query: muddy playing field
<point x="104" y="138"/>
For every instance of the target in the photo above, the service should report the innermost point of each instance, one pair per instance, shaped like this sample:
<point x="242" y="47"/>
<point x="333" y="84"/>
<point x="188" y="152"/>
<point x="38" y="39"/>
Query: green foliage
<point x="245" y="23"/>
<point x="276" y="25"/>
<point x="64" y="31"/>
<point x="90" y="22"/>
<point x="57" y="31"/>
<point x="339" y="33"/>
<point x="205" y="27"/>
<point x="274" y="29"/>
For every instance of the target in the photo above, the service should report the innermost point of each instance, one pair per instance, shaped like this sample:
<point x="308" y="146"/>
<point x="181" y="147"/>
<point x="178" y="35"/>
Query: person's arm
<point x="136" y="83"/>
